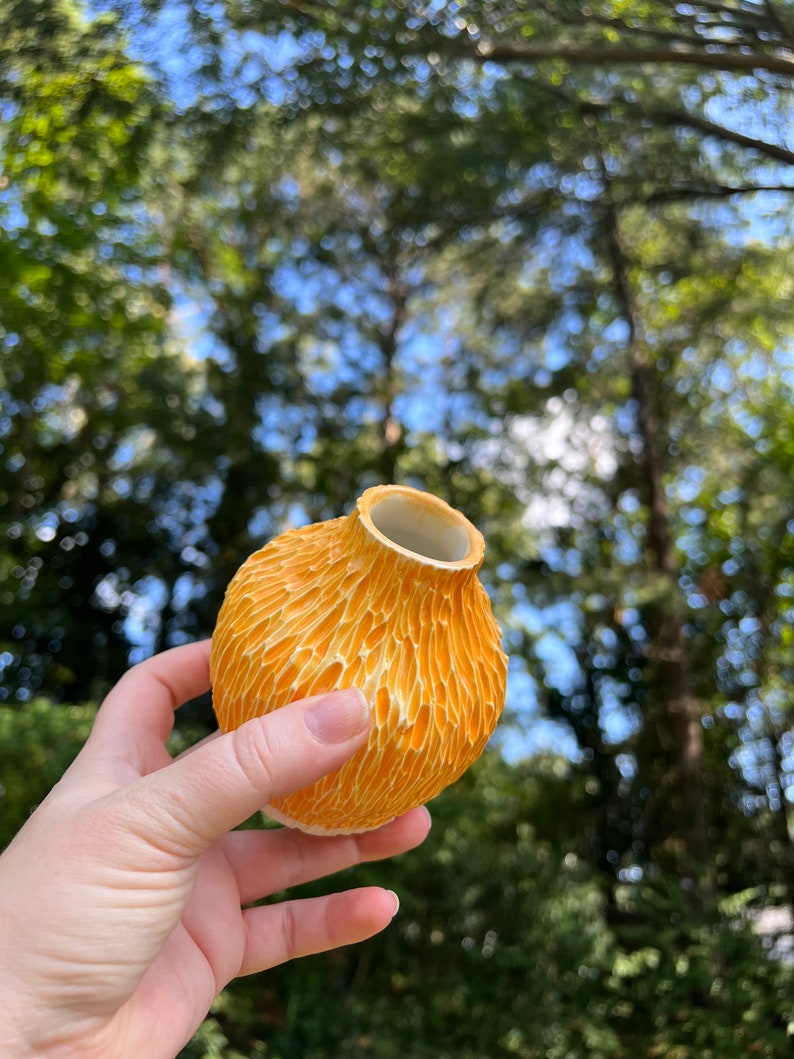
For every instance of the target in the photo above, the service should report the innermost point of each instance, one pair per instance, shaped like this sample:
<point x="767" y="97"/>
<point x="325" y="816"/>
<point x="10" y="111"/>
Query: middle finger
<point x="265" y="862"/>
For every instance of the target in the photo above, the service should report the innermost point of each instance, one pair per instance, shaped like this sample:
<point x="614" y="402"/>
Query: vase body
<point x="388" y="600"/>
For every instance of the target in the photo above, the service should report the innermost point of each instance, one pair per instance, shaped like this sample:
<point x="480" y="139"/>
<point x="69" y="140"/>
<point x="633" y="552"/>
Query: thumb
<point x="197" y="799"/>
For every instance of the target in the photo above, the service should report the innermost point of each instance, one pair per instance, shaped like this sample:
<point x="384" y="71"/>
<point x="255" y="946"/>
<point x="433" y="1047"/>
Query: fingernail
<point x="427" y="814"/>
<point x="396" y="903"/>
<point x="337" y="717"/>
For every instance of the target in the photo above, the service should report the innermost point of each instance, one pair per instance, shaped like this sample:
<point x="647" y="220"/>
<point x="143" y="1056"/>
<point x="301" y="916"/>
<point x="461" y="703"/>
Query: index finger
<point x="145" y="698"/>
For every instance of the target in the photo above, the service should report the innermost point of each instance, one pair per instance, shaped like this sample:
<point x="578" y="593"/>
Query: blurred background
<point x="537" y="258"/>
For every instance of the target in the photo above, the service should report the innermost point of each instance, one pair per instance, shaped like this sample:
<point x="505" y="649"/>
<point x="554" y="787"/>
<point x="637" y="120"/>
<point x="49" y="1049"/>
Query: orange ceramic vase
<point x="388" y="600"/>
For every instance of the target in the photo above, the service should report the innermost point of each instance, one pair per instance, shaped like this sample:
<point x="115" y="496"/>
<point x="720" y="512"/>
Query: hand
<point x="122" y="900"/>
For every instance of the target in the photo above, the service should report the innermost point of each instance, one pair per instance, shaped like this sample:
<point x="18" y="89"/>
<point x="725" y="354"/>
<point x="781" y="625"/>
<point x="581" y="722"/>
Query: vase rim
<point x="421" y="526"/>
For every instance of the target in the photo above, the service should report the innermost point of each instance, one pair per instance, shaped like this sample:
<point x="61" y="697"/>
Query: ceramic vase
<point x="388" y="600"/>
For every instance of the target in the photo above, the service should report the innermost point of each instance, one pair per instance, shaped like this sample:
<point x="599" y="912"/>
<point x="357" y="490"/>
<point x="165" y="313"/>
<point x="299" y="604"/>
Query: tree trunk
<point x="674" y="708"/>
<point x="392" y="440"/>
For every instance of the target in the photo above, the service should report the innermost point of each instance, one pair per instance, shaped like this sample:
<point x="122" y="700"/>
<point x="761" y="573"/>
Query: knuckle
<point x="253" y="755"/>
<point x="331" y="921"/>
<point x="289" y="931"/>
<point x="300" y="865"/>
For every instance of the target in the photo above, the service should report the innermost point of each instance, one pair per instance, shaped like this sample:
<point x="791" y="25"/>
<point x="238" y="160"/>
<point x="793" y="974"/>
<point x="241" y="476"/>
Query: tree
<point x="98" y="412"/>
<point x="635" y="160"/>
<point x="649" y="64"/>
<point x="535" y="258"/>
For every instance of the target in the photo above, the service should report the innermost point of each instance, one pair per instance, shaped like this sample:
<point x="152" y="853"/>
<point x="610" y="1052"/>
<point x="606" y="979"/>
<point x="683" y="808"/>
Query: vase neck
<point x="420" y="528"/>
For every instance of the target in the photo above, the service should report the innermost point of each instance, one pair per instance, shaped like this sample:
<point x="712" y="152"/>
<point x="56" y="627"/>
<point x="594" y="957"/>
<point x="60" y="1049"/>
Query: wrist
<point x="33" y="1031"/>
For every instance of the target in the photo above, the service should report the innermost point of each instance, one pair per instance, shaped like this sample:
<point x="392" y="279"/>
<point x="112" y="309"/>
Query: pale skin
<point x="123" y="900"/>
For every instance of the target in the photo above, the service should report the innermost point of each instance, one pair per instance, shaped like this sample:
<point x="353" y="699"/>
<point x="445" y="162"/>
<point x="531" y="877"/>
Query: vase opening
<point x="428" y="529"/>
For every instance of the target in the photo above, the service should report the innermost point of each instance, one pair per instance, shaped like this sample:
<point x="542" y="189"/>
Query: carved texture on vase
<point x="327" y="606"/>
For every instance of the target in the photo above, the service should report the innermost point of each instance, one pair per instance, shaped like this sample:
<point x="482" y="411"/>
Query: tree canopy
<point x="536" y="258"/>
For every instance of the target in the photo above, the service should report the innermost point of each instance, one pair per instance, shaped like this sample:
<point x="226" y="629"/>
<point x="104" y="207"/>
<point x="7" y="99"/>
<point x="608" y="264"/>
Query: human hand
<point x="122" y="900"/>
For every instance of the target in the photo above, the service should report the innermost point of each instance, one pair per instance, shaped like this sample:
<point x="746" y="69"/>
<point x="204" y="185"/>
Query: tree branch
<point x="711" y="128"/>
<point x="595" y="55"/>
<point x="682" y="118"/>
<point x="715" y="191"/>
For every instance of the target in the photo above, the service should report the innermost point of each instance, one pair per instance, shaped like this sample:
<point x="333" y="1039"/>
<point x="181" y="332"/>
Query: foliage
<point x="37" y="745"/>
<point x="527" y="956"/>
<point x="536" y="258"/>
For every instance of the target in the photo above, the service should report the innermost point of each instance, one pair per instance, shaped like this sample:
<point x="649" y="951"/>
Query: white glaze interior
<point x="421" y="529"/>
